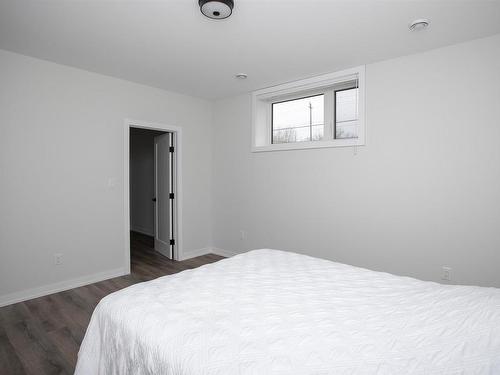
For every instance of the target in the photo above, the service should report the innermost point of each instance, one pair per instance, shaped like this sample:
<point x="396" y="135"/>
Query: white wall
<point x="423" y="193"/>
<point x="61" y="140"/>
<point x="142" y="159"/>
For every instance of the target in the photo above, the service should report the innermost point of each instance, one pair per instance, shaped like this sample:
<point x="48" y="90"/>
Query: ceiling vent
<point x="419" y="25"/>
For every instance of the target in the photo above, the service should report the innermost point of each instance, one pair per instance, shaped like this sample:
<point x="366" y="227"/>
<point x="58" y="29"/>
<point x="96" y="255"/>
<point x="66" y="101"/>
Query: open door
<point x="163" y="188"/>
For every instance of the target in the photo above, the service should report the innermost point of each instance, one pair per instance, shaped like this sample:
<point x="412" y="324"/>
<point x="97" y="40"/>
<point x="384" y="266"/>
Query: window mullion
<point x="329" y="111"/>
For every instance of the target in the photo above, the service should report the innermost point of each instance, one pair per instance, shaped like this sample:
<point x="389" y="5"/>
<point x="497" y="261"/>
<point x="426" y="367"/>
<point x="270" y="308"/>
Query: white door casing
<point x="177" y="211"/>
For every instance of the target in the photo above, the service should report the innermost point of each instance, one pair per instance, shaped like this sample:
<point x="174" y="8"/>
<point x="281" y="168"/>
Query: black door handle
<point x="154" y="199"/>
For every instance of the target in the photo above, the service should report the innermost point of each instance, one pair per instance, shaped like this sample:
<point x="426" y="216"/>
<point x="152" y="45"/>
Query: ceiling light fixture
<point x="419" y="24"/>
<point x="241" y="76"/>
<point x="216" y="9"/>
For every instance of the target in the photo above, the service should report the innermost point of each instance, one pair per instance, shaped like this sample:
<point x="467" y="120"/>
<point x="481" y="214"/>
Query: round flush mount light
<point x="241" y="76"/>
<point x="419" y="25"/>
<point x="216" y="9"/>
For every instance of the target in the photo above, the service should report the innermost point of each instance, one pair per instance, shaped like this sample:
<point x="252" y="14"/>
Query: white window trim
<point x="261" y="104"/>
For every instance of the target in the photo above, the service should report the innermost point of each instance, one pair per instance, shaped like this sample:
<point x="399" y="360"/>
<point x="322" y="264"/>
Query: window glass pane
<point x="346" y="113"/>
<point x="298" y="120"/>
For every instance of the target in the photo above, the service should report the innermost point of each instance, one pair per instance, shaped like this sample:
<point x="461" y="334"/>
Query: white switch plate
<point x="111" y="183"/>
<point x="243" y="234"/>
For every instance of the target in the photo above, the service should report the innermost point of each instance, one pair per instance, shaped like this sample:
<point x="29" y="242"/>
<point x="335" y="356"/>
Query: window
<point x="298" y="120"/>
<point x="326" y="111"/>
<point x="346" y="113"/>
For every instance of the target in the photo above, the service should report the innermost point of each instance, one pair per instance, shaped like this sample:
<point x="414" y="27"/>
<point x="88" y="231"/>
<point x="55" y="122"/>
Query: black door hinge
<point x="171" y="149"/>
<point x="172" y="242"/>
<point x="171" y="195"/>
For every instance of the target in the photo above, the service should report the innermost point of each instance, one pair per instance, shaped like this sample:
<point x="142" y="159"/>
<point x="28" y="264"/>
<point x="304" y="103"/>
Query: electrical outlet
<point x="446" y="273"/>
<point x="58" y="259"/>
<point x="243" y="234"/>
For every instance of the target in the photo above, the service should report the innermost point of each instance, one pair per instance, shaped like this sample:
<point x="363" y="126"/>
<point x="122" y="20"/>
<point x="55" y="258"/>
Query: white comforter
<point x="274" y="312"/>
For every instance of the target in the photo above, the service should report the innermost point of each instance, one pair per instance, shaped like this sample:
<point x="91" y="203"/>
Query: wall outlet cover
<point x="446" y="273"/>
<point x="58" y="259"/>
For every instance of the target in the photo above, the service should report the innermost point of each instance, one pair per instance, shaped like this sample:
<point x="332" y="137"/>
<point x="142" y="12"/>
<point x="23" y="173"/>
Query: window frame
<point x="262" y="101"/>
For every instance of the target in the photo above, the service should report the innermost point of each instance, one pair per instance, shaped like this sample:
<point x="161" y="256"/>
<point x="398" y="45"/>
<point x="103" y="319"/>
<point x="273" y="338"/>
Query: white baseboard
<point x="207" y="250"/>
<point x="195" y="253"/>
<point x="24" y="295"/>
<point x="223" y="253"/>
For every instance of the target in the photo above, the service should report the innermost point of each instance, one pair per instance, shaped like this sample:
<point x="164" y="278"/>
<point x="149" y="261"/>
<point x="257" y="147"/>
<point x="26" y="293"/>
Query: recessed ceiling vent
<point x="419" y="25"/>
<point x="216" y="9"/>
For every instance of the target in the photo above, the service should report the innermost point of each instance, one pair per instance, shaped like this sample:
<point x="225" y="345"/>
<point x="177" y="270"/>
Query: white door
<point x="162" y="195"/>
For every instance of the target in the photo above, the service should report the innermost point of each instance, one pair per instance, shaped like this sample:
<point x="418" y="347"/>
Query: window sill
<point x="308" y="145"/>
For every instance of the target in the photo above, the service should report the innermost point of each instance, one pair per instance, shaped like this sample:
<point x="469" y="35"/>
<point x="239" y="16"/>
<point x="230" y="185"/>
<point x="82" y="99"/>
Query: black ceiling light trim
<point x="216" y="9"/>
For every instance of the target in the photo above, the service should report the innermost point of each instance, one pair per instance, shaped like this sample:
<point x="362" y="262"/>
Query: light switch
<point x="111" y="183"/>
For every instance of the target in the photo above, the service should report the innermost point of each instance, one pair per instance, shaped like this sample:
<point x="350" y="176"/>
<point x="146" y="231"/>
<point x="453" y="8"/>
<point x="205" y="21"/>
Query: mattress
<point x="275" y="312"/>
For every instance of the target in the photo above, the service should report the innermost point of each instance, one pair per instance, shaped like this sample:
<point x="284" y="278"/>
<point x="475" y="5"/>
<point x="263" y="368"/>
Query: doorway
<point x="152" y="186"/>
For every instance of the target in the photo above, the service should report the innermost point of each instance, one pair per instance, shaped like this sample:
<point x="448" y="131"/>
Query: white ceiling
<point x="171" y="45"/>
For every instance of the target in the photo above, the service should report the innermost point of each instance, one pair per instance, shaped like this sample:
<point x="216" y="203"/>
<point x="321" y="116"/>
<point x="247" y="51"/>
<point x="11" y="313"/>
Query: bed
<point x="275" y="312"/>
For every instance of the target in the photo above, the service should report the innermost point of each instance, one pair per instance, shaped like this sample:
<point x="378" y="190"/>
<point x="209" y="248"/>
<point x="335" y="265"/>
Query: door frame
<point x="176" y="183"/>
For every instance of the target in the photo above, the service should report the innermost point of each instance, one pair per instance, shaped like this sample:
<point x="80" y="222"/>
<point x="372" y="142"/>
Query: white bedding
<point x="273" y="312"/>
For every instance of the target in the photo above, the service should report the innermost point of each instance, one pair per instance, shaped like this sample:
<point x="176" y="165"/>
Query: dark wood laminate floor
<point x="42" y="336"/>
